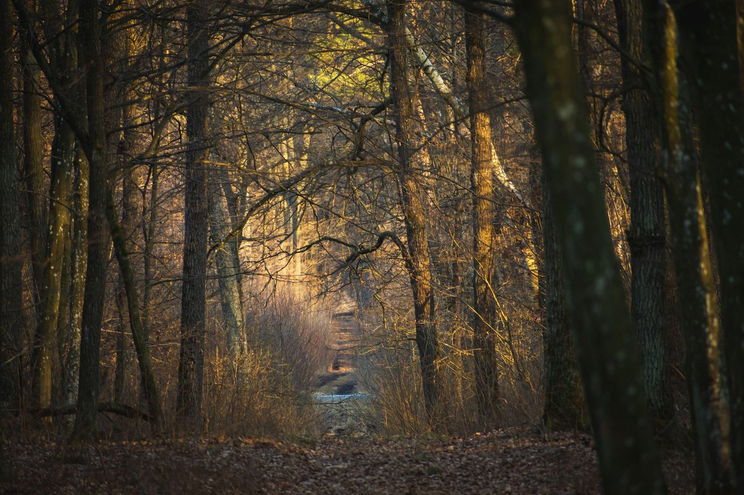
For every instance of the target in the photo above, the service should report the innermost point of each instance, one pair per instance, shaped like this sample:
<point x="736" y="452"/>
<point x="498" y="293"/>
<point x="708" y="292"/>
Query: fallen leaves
<point x="516" y="461"/>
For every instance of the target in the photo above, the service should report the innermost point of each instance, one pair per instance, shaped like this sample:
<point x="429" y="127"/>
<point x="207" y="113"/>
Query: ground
<point x="519" y="461"/>
<point x="349" y="459"/>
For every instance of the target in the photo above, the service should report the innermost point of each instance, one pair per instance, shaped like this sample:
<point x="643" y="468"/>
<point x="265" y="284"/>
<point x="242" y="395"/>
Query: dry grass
<point x="265" y="390"/>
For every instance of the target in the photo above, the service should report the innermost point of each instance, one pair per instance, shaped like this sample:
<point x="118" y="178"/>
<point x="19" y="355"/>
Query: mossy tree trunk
<point x="51" y="291"/>
<point x="33" y="165"/>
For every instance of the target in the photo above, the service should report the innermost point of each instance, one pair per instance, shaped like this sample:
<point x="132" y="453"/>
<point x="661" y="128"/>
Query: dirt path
<point x="338" y="394"/>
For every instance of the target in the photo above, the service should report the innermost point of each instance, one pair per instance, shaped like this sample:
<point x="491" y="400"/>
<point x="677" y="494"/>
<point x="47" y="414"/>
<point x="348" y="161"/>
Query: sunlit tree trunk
<point x="45" y="355"/>
<point x="193" y="294"/>
<point x="33" y="166"/>
<point x="595" y="297"/>
<point x="486" y="323"/>
<point x="413" y="202"/>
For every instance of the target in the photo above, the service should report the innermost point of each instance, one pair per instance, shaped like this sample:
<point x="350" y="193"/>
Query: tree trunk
<point x="149" y="385"/>
<point x="45" y="358"/>
<point x="232" y="310"/>
<point x="565" y="406"/>
<point x="413" y="204"/>
<point x="11" y="261"/>
<point x="692" y="257"/>
<point x="193" y="295"/>
<point x="98" y="232"/>
<point x="70" y="353"/>
<point x="647" y="217"/>
<point x="487" y="322"/>
<point x="33" y="167"/>
<point x="595" y="297"/>
<point x="708" y="32"/>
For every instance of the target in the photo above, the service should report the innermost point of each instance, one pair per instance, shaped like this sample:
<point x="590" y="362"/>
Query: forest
<point x="372" y="246"/>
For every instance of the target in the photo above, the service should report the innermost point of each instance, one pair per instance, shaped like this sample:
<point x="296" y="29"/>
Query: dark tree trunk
<point x="413" y="204"/>
<point x="70" y="337"/>
<point x="98" y="232"/>
<point x="708" y="35"/>
<point x="11" y="261"/>
<point x="193" y="295"/>
<point x="565" y="406"/>
<point x="647" y="218"/>
<point x="487" y="322"/>
<point x="692" y="256"/>
<point x="149" y="385"/>
<point x="595" y="297"/>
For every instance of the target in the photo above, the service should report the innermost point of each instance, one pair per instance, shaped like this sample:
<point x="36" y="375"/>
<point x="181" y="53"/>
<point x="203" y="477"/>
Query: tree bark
<point x="33" y="167"/>
<point x="646" y="238"/>
<point x="91" y="34"/>
<point x="487" y="322"/>
<point x="700" y="317"/>
<point x="70" y="353"/>
<point x="413" y="204"/>
<point x="565" y="405"/>
<point x="230" y="300"/>
<point x="193" y="294"/>
<point x="11" y="261"/>
<point x="595" y="297"/>
<point x="708" y="38"/>
<point x="45" y="356"/>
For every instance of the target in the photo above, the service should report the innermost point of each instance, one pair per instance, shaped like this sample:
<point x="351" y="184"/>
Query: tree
<point x="486" y="324"/>
<point x="412" y="197"/>
<point x="193" y="293"/>
<point x="595" y="300"/>
<point x="708" y="40"/>
<point x="94" y="144"/>
<point x="11" y="261"/>
<point x="700" y="314"/>
<point x="646" y="238"/>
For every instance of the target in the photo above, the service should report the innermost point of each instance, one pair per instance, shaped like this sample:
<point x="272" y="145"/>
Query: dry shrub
<point x="265" y="391"/>
<point x="393" y="379"/>
<point x="391" y="372"/>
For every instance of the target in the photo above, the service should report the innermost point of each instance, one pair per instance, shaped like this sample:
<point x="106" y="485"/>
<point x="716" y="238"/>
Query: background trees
<point x="379" y="158"/>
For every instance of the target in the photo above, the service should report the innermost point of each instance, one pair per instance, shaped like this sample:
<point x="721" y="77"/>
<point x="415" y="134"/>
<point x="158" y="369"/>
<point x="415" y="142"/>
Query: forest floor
<point x="348" y="459"/>
<point x="519" y="461"/>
